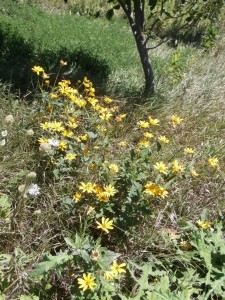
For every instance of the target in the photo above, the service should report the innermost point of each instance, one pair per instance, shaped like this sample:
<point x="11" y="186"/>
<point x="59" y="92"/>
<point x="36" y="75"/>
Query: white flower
<point x="4" y="133"/>
<point x="54" y="143"/>
<point x="2" y="142"/>
<point x="33" y="190"/>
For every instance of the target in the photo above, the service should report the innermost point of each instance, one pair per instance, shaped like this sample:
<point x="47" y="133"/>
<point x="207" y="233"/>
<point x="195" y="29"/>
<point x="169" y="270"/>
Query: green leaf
<point x="92" y="135"/>
<point x="159" y="146"/>
<point x="52" y="262"/>
<point x="4" y="202"/>
<point x="25" y="297"/>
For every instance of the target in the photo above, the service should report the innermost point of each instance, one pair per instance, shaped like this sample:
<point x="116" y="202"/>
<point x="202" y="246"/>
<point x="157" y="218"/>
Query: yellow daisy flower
<point x="105" y="225"/>
<point x="117" y="269"/>
<point x="86" y="282"/>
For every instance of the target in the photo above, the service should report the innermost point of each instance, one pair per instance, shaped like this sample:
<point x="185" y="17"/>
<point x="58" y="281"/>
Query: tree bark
<point x="146" y="65"/>
<point x="138" y="26"/>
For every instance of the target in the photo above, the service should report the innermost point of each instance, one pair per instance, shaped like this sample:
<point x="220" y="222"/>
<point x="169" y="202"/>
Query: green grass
<point x="30" y="36"/>
<point x="104" y="50"/>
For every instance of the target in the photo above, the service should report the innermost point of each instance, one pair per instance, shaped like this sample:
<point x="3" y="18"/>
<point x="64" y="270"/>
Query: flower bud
<point x="31" y="175"/>
<point x="21" y="188"/>
<point x="45" y="148"/>
<point x="30" y="132"/>
<point x="9" y="119"/>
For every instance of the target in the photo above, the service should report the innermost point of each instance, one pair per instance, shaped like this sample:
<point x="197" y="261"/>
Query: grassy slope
<point x="198" y="98"/>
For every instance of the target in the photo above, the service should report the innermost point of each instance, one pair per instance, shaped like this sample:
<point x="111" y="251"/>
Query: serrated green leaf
<point x="52" y="262"/>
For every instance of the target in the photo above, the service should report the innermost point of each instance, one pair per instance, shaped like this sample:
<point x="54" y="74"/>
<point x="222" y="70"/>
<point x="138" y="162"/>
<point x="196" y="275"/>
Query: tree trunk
<point x="146" y="65"/>
<point x="137" y="25"/>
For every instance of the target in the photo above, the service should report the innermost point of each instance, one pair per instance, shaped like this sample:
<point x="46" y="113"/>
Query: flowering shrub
<point x="116" y="180"/>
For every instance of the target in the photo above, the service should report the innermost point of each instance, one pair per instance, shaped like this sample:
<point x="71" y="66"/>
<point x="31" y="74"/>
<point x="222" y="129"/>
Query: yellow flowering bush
<point x="116" y="180"/>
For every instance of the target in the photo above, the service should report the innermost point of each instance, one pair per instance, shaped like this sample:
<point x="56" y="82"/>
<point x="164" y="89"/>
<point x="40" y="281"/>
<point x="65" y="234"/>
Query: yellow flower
<point x="155" y="190"/>
<point x="62" y="145"/>
<point x="53" y="96"/>
<point x="108" y="100"/>
<point x="67" y="133"/>
<point x="57" y="126"/>
<point x="70" y="156"/>
<point x="154" y="122"/>
<point x="109" y="275"/>
<point x="86" y="282"/>
<point x="45" y="125"/>
<point x="80" y="102"/>
<point x="43" y="141"/>
<point x="84" y="137"/>
<point x="189" y="150"/>
<point x="77" y="197"/>
<point x="105" y="225"/>
<point x="177" y="167"/>
<point x="151" y="188"/>
<point x="176" y="120"/>
<point x="148" y="135"/>
<point x="143" y="124"/>
<point x="72" y="123"/>
<point x="161" y="167"/>
<point x="163" y="139"/>
<point x="93" y="101"/>
<point x="123" y="144"/>
<point x="214" y="162"/>
<point x="102" y="196"/>
<point x="37" y="70"/>
<point x="120" y="117"/>
<point x="117" y="269"/>
<point x="114" y="168"/>
<point x="45" y="76"/>
<point x="87" y="187"/>
<point x="101" y="128"/>
<point x="109" y="190"/>
<point x="193" y="173"/>
<point x="144" y="143"/>
<point x="105" y="116"/>
<point x="161" y="192"/>
<point x="204" y="225"/>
